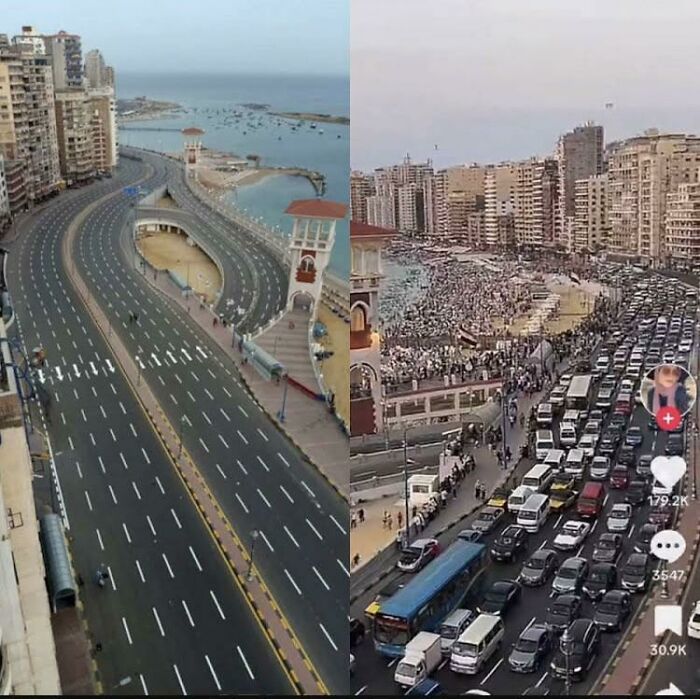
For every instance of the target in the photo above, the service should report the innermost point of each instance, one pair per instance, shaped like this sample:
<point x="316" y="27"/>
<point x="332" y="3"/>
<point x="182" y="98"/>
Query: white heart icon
<point x="668" y="470"/>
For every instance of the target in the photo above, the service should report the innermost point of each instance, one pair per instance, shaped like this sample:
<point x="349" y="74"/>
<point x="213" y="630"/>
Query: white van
<point x="544" y="441"/>
<point x="575" y="463"/>
<point x="555" y="458"/>
<point x="453" y="627"/>
<point x="567" y="434"/>
<point x="519" y="497"/>
<point x="534" y="512"/>
<point x="538" y="477"/>
<point x="477" y="644"/>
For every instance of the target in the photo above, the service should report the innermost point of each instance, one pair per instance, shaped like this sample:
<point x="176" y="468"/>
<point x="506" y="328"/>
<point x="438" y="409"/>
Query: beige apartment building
<point x="535" y="202"/>
<point x="590" y="227"/>
<point x="103" y="128"/>
<point x="682" y="232"/>
<point x="642" y="171"/>
<point x="27" y="124"/>
<point x="456" y="192"/>
<point x="407" y="200"/>
<point x="361" y="187"/>
<point x="381" y="212"/>
<point x="499" y="186"/>
<point x="74" y="129"/>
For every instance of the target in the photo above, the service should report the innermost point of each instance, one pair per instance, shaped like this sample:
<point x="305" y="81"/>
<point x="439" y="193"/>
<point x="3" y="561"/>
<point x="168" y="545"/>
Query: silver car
<point x="620" y="517"/>
<point x="570" y="576"/>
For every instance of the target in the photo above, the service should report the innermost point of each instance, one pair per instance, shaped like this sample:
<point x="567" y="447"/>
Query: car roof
<point x="615" y="594"/>
<point x="543" y="553"/>
<point x="573" y="562"/>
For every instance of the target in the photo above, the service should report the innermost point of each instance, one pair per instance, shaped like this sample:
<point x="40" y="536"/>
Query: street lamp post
<point x="407" y="538"/>
<point x="253" y="538"/>
<point x="281" y="413"/>
<point x="566" y="645"/>
<point x="182" y="429"/>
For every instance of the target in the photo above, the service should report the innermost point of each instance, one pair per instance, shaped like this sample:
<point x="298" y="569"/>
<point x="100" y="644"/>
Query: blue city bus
<point x="429" y="597"/>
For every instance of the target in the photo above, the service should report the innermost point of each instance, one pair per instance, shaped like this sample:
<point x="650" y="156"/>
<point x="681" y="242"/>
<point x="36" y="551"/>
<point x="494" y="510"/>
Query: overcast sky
<point x="493" y="79"/>
<point x="242" y="36"/>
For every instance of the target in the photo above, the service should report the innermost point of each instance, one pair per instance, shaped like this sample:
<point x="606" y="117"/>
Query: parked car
<point x="531" y="648"/>
<point x="539" y="567"/>
<point x="418" y="555"/>
<point x="469" y="535"/>
<point x="608" y="548"/>
<point x="499" y="597"/>
<point x="612" y="610"/>
<point x="585" y="643"/>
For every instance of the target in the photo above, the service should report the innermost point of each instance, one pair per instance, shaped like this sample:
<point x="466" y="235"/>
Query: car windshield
<point x="506" y="541"/>
<point x="598" y="576"/>
<point x="410" y="554"/>
<point x="536" y="563"/>
<point x="495" y="595"/>
<point x="606" y="544"/>
<point x="608" y="607"/>
<point x="568" y="573"/>
<point x="449" y="632"/>
<point x="468" y="649"/>
<point x="634" y="570"/>
<point x="486" y="516"/>
<point x="406" y="670"/>
<point x="619" y="514"/>
<point x="526" y="645"/>
<point x="559" y="610"/>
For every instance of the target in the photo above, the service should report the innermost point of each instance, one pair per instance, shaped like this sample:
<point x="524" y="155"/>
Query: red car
<point x="619" y="477"/>
<point x="624" y="404"/>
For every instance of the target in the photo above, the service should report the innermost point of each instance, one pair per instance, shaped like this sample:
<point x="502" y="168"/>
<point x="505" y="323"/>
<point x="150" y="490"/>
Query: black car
<point x="634" y="436"/>
<point x="637" y="492"/>
<point x="646" y="534"/>
<point x="500" y="596"/>
<point x="608" y="548"/>
<point x="674" y="445"/>
<point x="636" y="572"/>
<point x="584" y="646"/>
<point x="601" y="578"/>
<point x="531" y="648"/>
<point x="661" y="514"/>
<point x="652" y="424"/>
<point x="539" y="567"/>
<point x="562" y="611"/>
<point x="644" y="465"/>
<point x="612" y="610"/>
<point x="357" y="632"/>
<point x="608" y="443"/>
<point x="509" y="543"/>
<point x="626" y="455"/>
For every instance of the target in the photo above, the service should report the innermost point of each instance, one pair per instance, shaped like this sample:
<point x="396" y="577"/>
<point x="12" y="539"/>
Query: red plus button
<point x="668" y="418"/>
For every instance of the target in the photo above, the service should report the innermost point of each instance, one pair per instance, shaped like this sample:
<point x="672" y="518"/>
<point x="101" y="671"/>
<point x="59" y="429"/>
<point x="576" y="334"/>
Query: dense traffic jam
<point x="565" y="553"/>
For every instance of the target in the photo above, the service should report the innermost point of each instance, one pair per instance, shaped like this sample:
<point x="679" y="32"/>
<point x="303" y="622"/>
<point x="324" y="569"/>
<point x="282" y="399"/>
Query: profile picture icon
<point x="668" y="386"/>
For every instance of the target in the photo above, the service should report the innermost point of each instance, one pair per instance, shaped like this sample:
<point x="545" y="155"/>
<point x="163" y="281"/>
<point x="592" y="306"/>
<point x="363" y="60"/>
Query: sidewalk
<point x="278" y="631"/>
<point x="378" y="542"/>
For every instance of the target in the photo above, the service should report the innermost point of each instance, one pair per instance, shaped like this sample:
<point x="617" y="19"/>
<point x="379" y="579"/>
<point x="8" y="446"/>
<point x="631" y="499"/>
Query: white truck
<point x="423" y="655"/>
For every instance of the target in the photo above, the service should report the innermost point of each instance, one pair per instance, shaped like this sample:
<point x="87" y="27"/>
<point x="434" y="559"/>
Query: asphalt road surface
<point x="172" y="617"/>
<point x="374" y="673"/>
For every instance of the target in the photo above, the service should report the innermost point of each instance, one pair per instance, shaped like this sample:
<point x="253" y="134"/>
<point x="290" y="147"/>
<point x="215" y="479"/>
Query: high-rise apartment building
<point x="499" y="188"/>
<point x="682" y="233"/>
<point x="642" y="171"/>
<point x="456" y="192"/>
<point x="103" y="128"/>
<point x="31" y="40"/>
<point x="75" y="135"/>
<point x="66" y="59"/>
<point x="381" y="211"/>
<point x="579" y="155"/>
<point x="407" y="207"/>
<point x="4" y="199"/>
<point x="28" y="123"/>
<point x="590" y="228"/>
<point x="361" y="187"/>
<point x="97" y="72"/>
<point x="535" y="202"/>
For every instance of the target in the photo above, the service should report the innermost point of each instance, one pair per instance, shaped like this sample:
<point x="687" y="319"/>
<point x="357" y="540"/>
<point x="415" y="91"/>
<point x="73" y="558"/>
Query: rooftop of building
<point x="317" y="208"/>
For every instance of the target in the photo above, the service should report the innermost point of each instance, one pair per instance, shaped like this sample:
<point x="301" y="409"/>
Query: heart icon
<point x="668" y="470"/>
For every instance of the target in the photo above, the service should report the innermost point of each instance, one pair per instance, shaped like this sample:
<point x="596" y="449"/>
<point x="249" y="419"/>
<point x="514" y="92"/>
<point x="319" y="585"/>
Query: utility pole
<point x="405" y="486"/>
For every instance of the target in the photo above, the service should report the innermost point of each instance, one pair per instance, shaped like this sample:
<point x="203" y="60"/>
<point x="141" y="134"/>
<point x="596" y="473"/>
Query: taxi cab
<point x="499" y="498"/>
<point x="562" y="482"/>
<point x="560" y="500"/>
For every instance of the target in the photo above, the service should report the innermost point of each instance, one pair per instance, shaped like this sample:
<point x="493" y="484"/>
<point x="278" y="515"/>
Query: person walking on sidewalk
<point x="477" y="489"/>
<point x="399" y="519"/>
<point x="443" y="497"/>
<point x="361" y="515"/>
<point x="353" y="521"/>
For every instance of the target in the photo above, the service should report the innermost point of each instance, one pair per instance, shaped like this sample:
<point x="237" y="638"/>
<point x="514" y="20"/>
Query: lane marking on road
<point x="320" y="577"/>
<point x="242" y="467"/>
<point x="150" y="524"/>
<point x="224" y="442"/>
<point x="179" y="679"/>
<point x="493" y="669"/>
<point x="206" y="417"/>
<point x="99" y="539"/>
<point x="217" y="605"/>
<point x="167" y="565"/>
<point x="289" y="497"/>
<point x="328" y="636"/>
<point x="242" y="410"/>
<point x="111" y="492"/>
<point x="264" y="465"/>
<point x="245" y="662"/>
<point x="243" y="505"/>
<point x="265" y="500"/>
<point x="263" y="435"/>
<point x="265" y="539"/>
<point x="187" y="611"/>
<point x="143" y="684"/>
<point x="335" y="521"/>
<point x="291" y="580"/>
<point x="121" y="456"/>
<point x="87" y="497"/>
<point x="145" y="456"/>
<point x="291" y="536"/>
<point x="102" y="464"/>
<point x="224" y="413"/>
<point x="206" y="448"/>
<point x="160" y="626"/>
<point x="141" y="575"/>
<point x="160" y="485"/>
<point x="136" y="490"/>
<point x="223" y="475"/>
<point x="177" y="521"/>
<point x="243" y="439"/>
<point x="126" y="629"/>
<point x="345" y="570"/>
<point x="314" y="530"/>
<point x="284" y="461"/>
<point x="213" y="674"/>
<point x="196" y="560"/>
<point x="126" y="532"/>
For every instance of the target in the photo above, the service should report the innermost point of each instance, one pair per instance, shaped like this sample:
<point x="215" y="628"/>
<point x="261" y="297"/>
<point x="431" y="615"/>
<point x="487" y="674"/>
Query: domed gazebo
<point x="192" y="147"/>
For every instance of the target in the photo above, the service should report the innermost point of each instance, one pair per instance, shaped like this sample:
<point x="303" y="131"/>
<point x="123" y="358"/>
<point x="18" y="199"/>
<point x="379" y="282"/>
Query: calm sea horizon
<point x="208" y="99"/>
